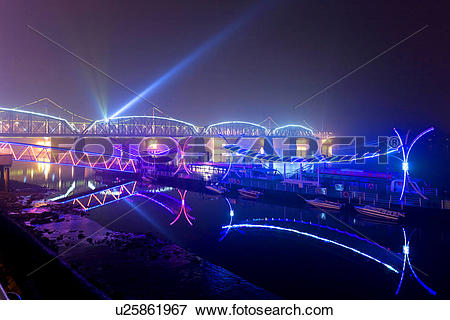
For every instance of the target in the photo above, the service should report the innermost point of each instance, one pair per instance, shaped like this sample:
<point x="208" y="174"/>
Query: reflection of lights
<point x="406" y="250"/>
<point x="405" y="166"/>
<point x="270" y="227"/>
<point x="71" y="188"/>
<point x="353" y="235"/>
<point x="155" y="201"/>
<point x="183" y="209"/>
<point x="231" y="220"/>
<point x="91" y="185"/>
<point x="104" y="197"/>
<point x="42" y="165"/>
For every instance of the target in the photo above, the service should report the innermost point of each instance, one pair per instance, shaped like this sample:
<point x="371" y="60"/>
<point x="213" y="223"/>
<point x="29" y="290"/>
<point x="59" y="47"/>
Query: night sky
<point x="244" y="60"/>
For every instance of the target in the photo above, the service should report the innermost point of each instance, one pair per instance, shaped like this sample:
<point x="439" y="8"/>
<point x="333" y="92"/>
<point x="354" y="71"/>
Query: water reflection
<point x="54" y="177"/>
<point x="275" y="252"/>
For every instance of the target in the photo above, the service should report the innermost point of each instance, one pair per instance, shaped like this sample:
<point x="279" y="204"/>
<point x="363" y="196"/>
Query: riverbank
<point x="118" y="265"/>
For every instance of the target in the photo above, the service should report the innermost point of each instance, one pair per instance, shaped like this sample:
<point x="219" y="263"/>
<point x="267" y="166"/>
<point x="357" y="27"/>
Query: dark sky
<point x="275" y="55"/>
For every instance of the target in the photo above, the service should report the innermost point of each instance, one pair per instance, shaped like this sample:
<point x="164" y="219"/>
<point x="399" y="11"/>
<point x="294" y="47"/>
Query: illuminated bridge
<point x="21" y="123"/>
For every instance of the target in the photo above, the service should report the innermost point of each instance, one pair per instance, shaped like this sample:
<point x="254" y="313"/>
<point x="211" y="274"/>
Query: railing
<point x="352" y="197"/>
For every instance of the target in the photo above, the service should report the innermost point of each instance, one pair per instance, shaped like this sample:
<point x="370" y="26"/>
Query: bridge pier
<point x="5" y="164"/>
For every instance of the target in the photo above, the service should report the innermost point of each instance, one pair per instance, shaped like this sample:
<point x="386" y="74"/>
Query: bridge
<point x="22" y="123"/>
<point x="53" y="155"/>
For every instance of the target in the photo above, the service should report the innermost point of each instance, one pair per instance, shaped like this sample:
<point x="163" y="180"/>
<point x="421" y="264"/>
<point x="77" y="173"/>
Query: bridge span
<point x="22" y="123"/>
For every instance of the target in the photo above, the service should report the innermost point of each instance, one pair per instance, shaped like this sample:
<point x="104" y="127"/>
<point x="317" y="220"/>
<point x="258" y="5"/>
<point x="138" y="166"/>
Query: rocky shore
<point x="123" y="265"/>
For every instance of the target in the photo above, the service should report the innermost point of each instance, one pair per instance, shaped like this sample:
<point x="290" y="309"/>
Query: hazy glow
<point x="213" y="41"/>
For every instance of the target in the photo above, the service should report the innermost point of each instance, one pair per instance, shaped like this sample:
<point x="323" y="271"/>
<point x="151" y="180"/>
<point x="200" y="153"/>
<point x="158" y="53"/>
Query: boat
<point x="325" y="204"/>
<point x="217" y="189"/>
<point x="379" y="212"/>
<point x="250" y="194"/>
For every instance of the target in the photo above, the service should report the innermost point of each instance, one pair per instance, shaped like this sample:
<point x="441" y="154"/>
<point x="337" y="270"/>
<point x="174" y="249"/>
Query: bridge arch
<point x="142" y="126"/>
<point x="28" y="124"/>
<point x="236" y="128"/>
<point x="292" y="130"/>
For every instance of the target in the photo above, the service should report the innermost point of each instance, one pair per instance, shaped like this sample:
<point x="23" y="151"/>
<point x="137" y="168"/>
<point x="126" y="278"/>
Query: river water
<point x="300" y="253"/>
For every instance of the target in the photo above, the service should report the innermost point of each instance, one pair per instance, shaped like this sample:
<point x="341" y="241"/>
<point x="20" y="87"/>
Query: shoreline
<point x="149" y="267"/>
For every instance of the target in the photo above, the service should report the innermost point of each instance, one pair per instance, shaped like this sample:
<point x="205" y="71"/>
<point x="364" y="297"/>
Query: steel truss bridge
<point x="21" y="123"/>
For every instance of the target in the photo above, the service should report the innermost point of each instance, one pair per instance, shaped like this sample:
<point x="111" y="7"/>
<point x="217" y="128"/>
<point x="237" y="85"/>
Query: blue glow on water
<point x="270" y="227"/>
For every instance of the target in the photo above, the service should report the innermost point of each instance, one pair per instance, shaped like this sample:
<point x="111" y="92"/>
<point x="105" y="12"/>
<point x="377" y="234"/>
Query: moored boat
<point x="379" y="212"/>
<point x="250" y="194"/>
<point x="325" y="204"/>
<point x="217" y="189"/>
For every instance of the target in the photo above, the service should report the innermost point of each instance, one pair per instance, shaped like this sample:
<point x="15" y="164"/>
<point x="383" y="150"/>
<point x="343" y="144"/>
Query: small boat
<point x="379" y="212"/>
<point x="325" y="204"/>
<point x="250" y="194"/>
<point x="217" y="189"/>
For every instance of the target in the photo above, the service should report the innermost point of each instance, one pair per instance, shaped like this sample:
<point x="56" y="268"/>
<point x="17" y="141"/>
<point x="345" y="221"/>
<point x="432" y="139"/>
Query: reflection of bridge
<point x="21" y="123"/>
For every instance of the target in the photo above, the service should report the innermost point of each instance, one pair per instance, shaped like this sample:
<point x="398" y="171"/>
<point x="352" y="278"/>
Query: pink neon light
<point x="44" y="154"/>
<point x="183" y="209"/>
